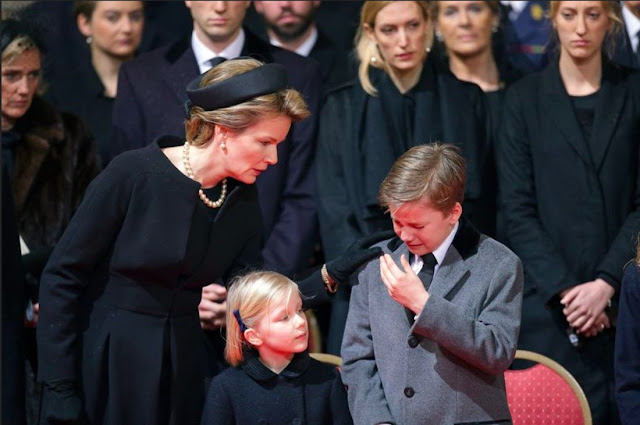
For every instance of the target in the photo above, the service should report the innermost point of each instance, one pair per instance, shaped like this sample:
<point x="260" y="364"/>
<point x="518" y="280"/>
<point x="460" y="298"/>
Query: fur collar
<point x="40" y="128"/>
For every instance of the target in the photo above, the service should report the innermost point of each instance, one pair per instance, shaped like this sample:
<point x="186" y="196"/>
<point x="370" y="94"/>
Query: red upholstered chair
<point x="545" y="394"/>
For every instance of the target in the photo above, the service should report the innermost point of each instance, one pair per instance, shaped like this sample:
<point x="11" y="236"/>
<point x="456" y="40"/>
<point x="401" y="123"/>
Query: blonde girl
<point x="273" y="378"/>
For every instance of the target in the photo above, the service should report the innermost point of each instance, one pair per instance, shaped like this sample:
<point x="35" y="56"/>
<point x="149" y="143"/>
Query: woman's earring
<point x="494" y="28"/>
<point x="428" y="50"/>
<point x="223" y="145"/>
<point x="89" y="40"/>
<point x="373" y="59"/>
<point x="439" y="35"/>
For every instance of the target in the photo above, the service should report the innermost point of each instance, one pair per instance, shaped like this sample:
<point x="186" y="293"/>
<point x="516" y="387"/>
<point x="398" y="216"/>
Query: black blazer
<point x="150" y="102"/>
<point x="570" y="217"/>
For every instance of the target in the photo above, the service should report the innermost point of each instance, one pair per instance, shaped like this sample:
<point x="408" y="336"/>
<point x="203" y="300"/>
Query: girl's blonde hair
<point x="252" y="295"/>
<point x="613" y="11"/>
<point x="200" y="124"/>
<point x="367" y="50"/>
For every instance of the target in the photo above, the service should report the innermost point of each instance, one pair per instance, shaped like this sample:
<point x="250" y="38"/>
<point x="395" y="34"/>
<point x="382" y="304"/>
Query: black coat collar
<point x="259" y="372"/>
<point x="466" y="240"/>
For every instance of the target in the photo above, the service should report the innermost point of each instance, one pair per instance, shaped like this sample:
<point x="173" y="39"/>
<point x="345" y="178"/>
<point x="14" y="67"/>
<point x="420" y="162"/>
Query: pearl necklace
<point x="205" y="199"/>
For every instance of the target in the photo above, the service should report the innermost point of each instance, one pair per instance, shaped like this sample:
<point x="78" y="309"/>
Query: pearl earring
<point x="494" y="28"/>
<point x="223" y="145"/>
<point x="428" y="50"/>
<point x="373" y="59"/>
<point x="439" y="35"/>
<point x="89" y="40"/>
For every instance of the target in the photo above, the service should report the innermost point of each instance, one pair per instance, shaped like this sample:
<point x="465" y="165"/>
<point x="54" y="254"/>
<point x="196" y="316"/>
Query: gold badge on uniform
<point x="537" y="12"/>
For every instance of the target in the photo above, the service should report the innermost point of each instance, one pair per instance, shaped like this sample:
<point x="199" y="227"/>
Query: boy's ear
<point x="253" y="337"/>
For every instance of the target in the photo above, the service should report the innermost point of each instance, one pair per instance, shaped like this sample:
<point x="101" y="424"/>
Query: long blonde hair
<point x="252" y="295"/>
<point x="367" y="50"/>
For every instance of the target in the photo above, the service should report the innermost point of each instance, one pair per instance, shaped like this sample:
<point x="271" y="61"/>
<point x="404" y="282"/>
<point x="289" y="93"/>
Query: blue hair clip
<point x="243" y="327"/>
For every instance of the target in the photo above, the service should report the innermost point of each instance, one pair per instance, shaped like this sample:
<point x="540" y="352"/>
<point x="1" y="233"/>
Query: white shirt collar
<point x="439" y="252"/>
<point x="305" y="48"/>
<point x="516" y="8"/>
<point x="204" y="54"/>
<point x="633" y="26"/>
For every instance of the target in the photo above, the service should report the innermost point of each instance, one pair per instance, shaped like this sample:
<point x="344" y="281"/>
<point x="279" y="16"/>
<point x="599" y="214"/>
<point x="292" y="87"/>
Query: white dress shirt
<point x="204" y="54"/>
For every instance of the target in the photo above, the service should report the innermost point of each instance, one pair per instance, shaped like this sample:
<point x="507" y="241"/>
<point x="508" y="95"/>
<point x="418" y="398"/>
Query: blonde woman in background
<point x="399" y="100"/>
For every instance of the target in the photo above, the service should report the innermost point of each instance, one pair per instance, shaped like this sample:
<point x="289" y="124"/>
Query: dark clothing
<point x="627" y="353"/>
<point x="53" y="164"/>
<point x="335" y="65"/>
<point x="81" y="93"/>
<point x="165" y="23"/>
<point x="122" y="262"/>
<point x="13" y="302"/>
<point x="570" y="214"/>
<point x="305" y="392"/>
<point x="361" y="136"/>
<point x="526" y="42"/>
<point x="623" y="53"/>
<point x="150" y="102"/>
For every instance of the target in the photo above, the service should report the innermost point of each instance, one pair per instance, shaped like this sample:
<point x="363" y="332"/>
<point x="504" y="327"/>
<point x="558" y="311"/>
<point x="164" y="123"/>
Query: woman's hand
<point x="404" y="286"/>
<point x="213" y="306"/>
<point x="601" y="323"/>
<point x="584" y="303"/>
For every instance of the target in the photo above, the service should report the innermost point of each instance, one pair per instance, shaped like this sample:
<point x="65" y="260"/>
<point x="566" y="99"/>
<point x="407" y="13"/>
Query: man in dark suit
<point x="628" y="44"/>
<point x="292" y="26"/>
<point x="150" y="103"/>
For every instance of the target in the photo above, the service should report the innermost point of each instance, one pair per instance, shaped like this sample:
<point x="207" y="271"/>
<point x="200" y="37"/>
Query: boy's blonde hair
<point x="252" y="295"/>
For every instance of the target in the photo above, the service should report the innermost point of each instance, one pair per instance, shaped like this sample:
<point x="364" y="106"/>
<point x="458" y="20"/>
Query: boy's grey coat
<point x="463" y="340"/>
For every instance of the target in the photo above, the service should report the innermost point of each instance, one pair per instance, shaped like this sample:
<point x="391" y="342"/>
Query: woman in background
<point x="50" y="158"/>
<point x="568" y="162"/>
<point x="113" y="31"/>
<point x="400" y="100"/>
<point x="465" y="28"/>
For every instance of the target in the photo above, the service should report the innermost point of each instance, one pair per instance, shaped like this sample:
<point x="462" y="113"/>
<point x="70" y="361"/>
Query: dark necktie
<point x="216" y="61"/>
<point x="426" y="276"/>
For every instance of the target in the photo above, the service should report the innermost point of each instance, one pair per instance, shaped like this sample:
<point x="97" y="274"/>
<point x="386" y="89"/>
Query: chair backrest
<point x="545" y="393"/>
<point x="327" y="358"/>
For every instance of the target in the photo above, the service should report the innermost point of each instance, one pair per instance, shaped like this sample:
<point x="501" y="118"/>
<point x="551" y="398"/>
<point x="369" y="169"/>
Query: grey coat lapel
<point x="450" y="273"/>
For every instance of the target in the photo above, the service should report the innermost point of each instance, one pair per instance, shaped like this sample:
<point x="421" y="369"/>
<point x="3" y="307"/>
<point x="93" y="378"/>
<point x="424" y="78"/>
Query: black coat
<point x="343" y="210"/>
<point x="306" y="392"/>
<point x="571" y="215"/>
<point x="53" y="164"/>
<point x="150" y="102"/>
<point x="627" y="354"/>
<point x="339" y="157"/>
<point x="119" y="298"/>
<point x="13" y="302"/>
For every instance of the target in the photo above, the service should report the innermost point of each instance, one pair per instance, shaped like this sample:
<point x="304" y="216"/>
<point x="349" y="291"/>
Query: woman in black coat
<point x="400" y="100"/>
<point x="119" y="298"/>
<point x="50" y="158"/>
<point x="568" y="162"/>
<point x="113" y="32"/>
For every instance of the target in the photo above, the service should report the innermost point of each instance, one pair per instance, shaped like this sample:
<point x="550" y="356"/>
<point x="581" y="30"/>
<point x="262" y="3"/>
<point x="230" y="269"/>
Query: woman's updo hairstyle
<point x="200" y="123"/>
